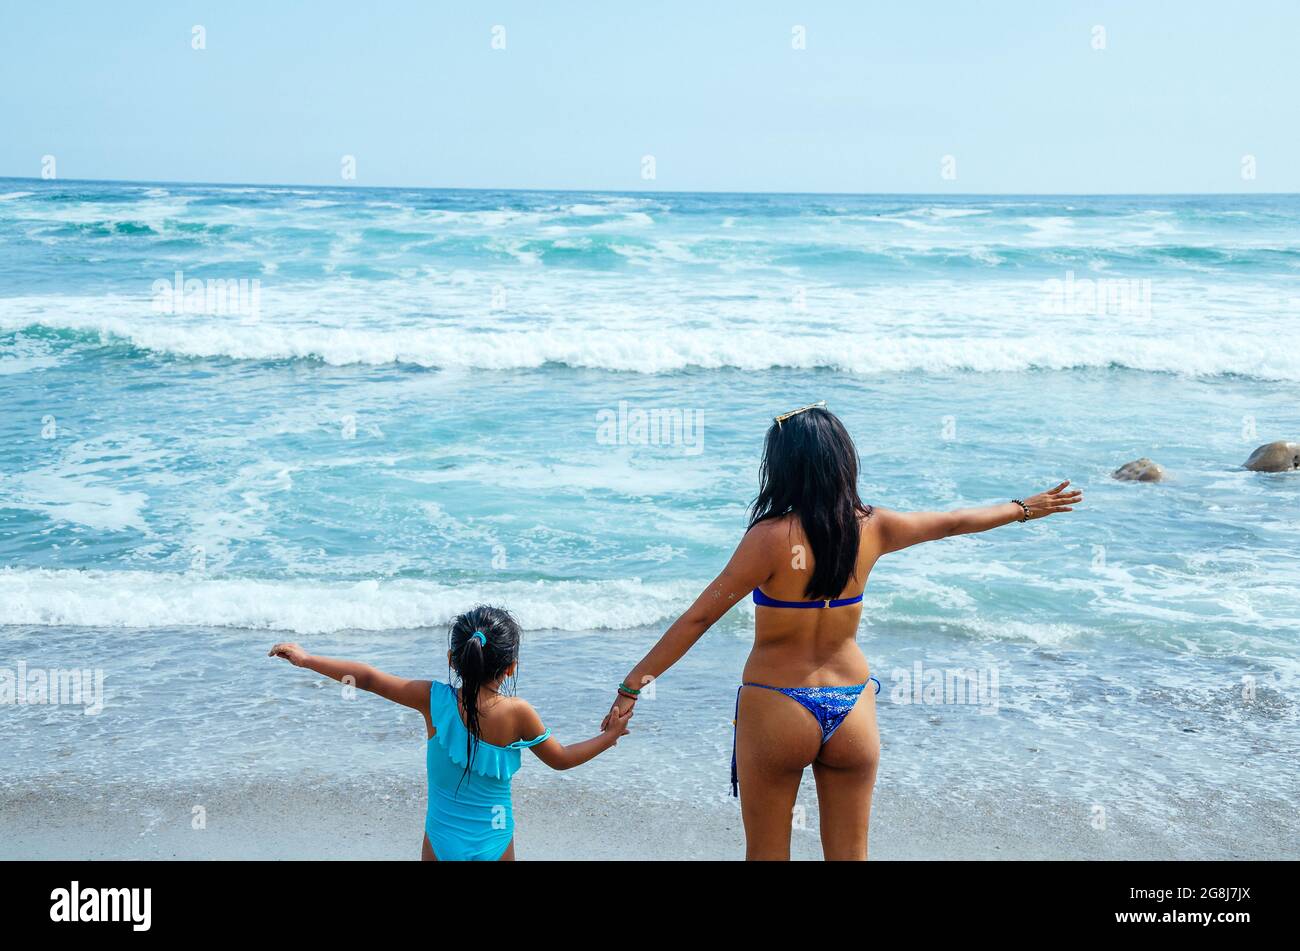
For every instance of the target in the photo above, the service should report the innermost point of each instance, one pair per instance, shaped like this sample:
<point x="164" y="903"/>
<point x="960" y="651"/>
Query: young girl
<point x="474" y="734"/>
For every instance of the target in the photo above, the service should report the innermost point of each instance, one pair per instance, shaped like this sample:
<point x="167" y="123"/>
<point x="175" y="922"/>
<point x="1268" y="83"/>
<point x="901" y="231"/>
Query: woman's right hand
<point x="615" y="724"/>
<point x="622" y="708"/>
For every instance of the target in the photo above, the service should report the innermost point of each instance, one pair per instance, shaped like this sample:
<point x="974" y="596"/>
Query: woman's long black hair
<point x="477" y="663"/>
<point x="810" y="469"/>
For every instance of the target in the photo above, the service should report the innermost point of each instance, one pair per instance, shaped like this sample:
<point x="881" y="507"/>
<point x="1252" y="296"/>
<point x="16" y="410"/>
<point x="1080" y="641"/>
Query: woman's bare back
<point x="808" y="647"/>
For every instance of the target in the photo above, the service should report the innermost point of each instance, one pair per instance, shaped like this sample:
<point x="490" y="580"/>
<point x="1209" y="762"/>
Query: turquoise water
<point x="414" y="418"/>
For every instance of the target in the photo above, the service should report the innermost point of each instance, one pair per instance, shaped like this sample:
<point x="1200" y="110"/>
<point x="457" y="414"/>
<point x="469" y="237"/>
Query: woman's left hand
<point x="1052" y="501"/>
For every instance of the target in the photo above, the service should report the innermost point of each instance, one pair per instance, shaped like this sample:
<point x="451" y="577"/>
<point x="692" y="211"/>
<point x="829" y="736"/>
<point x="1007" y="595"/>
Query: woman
<point x="805" y="558"/>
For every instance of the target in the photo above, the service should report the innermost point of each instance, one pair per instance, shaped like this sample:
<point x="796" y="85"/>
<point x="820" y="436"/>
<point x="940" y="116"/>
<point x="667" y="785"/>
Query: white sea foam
<point x="584" y="211"/>
<point x="1203" y="353"/>
<point x="658" y="322"/>
<point x="14" y="365"/>
<point x="79" y="501"/>
<point x="82" y="488"/>
<point x="939" y="211"/>
<point x="138" y="599"/>
<point x="25" y="355"/>
<point x="153" y="211"/>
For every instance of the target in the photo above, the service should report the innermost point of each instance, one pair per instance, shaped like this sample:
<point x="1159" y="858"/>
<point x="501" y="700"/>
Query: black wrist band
<point x="1025" y="518"/>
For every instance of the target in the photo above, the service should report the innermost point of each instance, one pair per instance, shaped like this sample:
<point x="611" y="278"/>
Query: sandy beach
<point x="294" y="820"/>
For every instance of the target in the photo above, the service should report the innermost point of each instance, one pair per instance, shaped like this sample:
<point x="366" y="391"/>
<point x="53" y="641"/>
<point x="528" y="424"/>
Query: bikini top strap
<point x="525" y="744"/>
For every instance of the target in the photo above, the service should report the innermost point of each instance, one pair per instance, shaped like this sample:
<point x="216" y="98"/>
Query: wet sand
<point x="304" y="818"/>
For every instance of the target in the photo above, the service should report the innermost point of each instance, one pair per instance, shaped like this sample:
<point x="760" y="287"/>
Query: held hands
<point x="622" y="709"/>
<point x="290" y="652"/>
<point x="1052" y="501"/>
<point x="615" y="725"/>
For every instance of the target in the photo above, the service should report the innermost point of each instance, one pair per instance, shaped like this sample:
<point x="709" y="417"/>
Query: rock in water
<point x="1140" y="470"/>
<point x="1275" y="457"/>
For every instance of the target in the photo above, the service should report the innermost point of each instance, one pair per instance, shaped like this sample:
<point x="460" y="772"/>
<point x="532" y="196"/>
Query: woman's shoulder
<point x="774" y="528"/>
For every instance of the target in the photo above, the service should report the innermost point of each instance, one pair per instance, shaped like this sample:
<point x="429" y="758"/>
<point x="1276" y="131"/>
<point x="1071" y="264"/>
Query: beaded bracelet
<point x="627" y="691"/>
<point x="1023" y="506"/>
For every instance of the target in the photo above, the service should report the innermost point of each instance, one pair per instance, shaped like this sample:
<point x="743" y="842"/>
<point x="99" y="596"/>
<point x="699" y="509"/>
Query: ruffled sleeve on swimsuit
<point x="495" y="762"/>
<point x="525" y="744"/>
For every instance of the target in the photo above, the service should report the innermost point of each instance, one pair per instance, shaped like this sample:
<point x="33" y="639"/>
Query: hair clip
<point x="820" y="404"/>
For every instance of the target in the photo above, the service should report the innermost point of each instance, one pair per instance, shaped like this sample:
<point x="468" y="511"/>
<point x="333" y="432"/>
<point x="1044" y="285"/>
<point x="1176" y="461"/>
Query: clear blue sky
<point x="713" y="90"/>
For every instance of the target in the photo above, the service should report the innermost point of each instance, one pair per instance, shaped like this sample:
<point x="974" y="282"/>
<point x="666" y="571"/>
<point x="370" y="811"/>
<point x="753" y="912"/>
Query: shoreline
<point x="302" y="819"/>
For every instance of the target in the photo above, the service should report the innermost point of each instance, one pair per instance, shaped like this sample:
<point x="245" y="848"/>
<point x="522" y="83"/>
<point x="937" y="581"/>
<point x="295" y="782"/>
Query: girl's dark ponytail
<point x="484" y="643"/>
<point x="470" y="665"/>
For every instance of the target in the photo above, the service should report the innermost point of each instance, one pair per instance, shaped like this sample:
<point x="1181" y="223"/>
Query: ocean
<point x="234" y="415"/>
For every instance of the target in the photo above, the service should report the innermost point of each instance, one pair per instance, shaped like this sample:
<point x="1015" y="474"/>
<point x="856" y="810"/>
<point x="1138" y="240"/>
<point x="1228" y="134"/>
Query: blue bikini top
<point x="761" y="598"/>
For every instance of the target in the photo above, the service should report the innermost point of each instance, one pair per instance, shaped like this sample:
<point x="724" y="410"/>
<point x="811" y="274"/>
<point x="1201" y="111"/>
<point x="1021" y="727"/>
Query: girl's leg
<point x="426" y="853"/>
<point x="846" y="773"/>
<point x="775" y="739"/>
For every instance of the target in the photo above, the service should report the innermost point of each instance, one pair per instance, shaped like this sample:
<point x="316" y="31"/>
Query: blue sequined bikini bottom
<point x="830" y="705"/>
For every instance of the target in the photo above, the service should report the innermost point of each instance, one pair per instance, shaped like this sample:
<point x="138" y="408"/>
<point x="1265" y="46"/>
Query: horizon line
<point x="667" y="191"/>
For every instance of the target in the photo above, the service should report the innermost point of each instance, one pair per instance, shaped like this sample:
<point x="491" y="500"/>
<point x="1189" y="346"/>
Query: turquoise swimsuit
<point x="470" y="815"/>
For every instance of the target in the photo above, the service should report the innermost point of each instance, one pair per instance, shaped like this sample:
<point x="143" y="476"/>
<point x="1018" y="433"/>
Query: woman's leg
<point x="775" y="739"/>
<point x="845" y="772"/>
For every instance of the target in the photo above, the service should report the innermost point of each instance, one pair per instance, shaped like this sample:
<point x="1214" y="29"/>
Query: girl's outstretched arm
<point x="558" y="756"/>
<point x="409" y="693"/>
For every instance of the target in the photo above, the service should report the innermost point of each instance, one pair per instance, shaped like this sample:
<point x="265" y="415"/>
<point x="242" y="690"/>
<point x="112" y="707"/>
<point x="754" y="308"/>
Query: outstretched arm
<point x="409" y="693"/>
<point x="750" y="566"/>
<point x="900" y="530"/>
<point x="558" y="756"/>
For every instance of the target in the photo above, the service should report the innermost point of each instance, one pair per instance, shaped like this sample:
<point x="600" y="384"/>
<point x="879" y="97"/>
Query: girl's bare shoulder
<point x="525" y="720"/>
